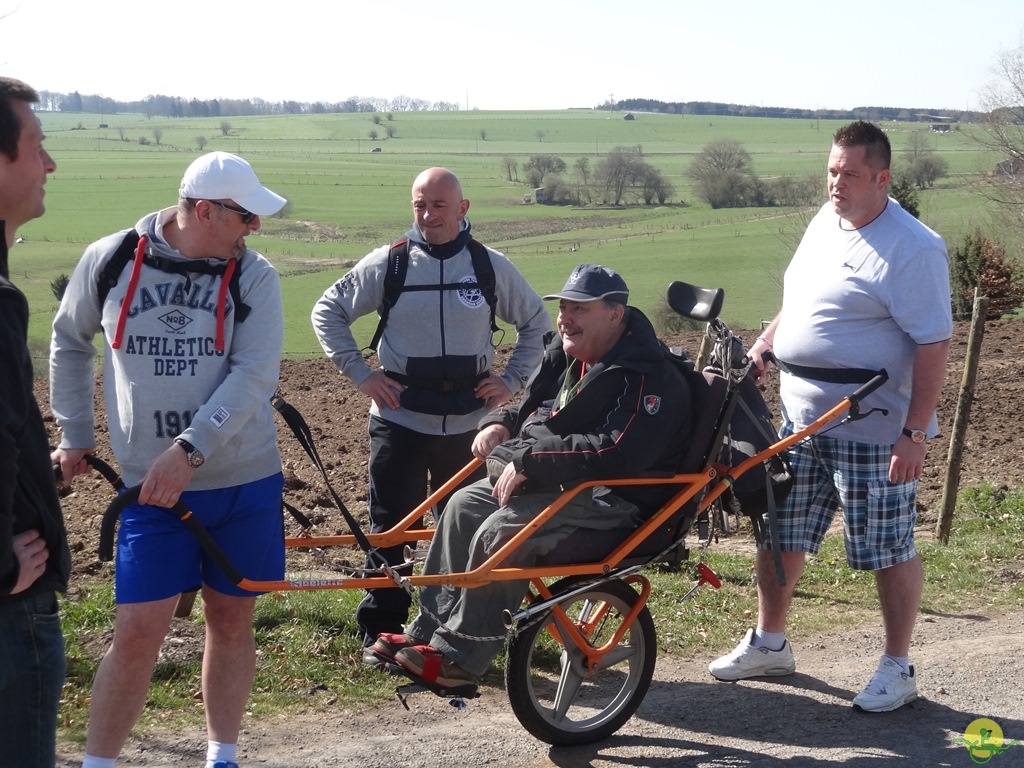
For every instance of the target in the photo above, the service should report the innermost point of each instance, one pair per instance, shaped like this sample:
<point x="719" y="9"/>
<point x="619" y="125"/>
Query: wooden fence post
<point x="951" y="484"/>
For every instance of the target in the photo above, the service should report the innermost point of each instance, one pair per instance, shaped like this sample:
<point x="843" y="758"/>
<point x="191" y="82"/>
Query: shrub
<point x="903" y="192"/>
<point x="980" y="262"/>
<point x="557" y="191"/>
<point x="58" y="285"/>
<point x="668" y="322"/>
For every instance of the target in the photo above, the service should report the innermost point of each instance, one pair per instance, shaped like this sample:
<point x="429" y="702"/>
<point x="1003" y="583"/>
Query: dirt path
<point x="968" y="667"/>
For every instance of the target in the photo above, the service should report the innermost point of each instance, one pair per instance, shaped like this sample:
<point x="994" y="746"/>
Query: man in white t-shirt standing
<point x="868" y="288"/>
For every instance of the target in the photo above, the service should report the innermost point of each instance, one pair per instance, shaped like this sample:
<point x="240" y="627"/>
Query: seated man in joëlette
<point x="605" y="403"/>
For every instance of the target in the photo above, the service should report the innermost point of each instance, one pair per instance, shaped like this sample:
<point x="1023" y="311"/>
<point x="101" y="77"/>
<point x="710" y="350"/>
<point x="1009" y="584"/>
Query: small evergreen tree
<point x="58" y="285"/>
<point x="902" y="190"/>
<point x="980" y="262"/>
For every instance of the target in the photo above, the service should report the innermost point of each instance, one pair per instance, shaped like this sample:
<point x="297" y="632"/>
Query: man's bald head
<point x="438" y="206"/>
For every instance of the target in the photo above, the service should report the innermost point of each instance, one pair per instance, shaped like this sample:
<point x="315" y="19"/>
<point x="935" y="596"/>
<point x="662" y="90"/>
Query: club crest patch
<point x="652" y="404"/>
<point x="471" y="296"/>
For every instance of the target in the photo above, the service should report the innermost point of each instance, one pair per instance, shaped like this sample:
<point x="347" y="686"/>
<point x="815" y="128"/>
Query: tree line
<point x="175" y="106"/>
<point x="718" y="108"/>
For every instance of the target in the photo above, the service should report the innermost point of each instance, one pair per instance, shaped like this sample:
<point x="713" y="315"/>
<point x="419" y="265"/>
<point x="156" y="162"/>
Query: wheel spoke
<point x="569" y="683"/>
<point x="617" y="655"/>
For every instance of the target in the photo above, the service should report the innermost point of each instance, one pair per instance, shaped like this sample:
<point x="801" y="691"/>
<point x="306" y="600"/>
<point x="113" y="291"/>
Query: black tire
<point x="552" y="694"/>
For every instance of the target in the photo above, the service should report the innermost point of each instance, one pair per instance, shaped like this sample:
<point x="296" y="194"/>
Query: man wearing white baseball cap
<point x="223" y="176"/>
<point x="193" y="325"/>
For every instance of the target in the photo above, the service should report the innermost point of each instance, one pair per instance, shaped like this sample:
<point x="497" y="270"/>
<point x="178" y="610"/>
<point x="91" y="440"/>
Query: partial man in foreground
<point x="34" y="557"/>
<point x="193" y="325"/>
<point x="867" y="289"/>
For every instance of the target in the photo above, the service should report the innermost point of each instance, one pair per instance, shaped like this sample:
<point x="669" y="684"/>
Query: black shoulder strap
<point x="394" y="281"/>
<point x="484" y="271"/>
<point x="115" y="265"/>
<point x="125" y="252"/>
<point x="242" y="309"/>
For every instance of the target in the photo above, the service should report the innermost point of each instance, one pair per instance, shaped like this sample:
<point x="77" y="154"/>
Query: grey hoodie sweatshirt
<point x="432" y="324"/>
<point x="168" y="379"/>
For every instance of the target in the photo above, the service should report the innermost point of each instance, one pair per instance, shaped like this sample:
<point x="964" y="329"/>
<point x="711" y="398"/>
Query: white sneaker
<point x="889" y="688"/>
<point x="747" y="660"/>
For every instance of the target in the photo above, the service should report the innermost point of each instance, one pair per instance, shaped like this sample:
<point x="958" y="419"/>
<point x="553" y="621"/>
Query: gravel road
<point x="968" y="668"/>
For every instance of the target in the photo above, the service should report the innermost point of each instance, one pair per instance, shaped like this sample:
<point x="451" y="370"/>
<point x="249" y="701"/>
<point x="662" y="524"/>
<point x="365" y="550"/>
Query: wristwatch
<point x="194" y="455"/>
<point x="917" y="435"/>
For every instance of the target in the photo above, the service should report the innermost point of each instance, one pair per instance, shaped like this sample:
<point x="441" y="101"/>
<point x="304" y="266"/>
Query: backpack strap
<point x="125" y="252"/>
<point x="398" y="267"/>
<point x="394" y="282"/>
<point x="484" y="271"/>
<point x="115" y="265"/>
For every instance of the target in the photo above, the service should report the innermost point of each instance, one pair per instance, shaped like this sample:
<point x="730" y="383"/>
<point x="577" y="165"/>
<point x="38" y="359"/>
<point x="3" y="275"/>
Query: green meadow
<point x="345" y="200"/>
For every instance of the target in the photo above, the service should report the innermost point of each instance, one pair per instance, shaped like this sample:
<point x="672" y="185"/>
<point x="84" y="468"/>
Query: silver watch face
<point x="918" y="435"/>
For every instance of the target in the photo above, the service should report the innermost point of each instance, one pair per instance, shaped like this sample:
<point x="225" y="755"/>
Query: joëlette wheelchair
<point x="582" y="647"/>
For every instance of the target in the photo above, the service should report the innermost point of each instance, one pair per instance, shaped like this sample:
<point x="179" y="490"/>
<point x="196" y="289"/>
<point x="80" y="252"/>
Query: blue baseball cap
<point x="590" y="282"/>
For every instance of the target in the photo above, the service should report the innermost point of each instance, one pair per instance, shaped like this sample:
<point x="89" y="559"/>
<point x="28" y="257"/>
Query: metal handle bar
<point x="866" y="389"/>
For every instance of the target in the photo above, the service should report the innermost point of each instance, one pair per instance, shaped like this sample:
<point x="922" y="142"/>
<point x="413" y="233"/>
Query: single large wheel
<point x="552" y="691"/>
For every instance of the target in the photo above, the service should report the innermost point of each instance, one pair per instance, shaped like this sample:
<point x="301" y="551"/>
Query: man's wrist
<point x="192" y="454"/>
<point x="916" y="435"/>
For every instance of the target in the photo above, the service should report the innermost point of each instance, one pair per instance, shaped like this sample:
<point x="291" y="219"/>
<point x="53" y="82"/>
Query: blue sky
<point x="526" y="55"/>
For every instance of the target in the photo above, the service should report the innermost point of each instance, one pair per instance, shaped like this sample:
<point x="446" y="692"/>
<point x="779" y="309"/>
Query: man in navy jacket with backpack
<point x="606" y="403"/>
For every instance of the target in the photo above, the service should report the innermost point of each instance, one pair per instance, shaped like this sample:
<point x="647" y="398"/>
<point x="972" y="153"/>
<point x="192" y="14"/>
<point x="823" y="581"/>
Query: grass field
<point x="345" y="200"/>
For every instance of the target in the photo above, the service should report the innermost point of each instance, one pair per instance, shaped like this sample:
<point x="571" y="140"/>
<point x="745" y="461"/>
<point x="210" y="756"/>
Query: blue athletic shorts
<point x="878" y="516"/>
<point x="157" y="557"/>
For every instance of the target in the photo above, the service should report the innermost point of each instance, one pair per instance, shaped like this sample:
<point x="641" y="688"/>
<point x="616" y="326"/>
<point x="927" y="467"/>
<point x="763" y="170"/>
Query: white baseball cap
<point x="223" y="176"/>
